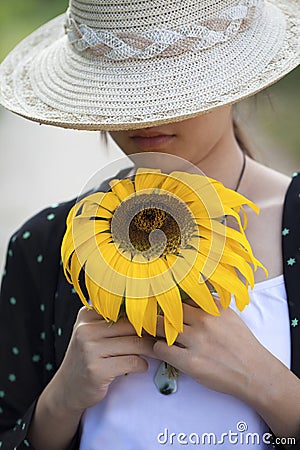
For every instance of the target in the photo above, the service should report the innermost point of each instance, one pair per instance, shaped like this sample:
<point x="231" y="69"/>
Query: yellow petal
<point x="137" y="281"/>
<point x="230" y="212"/>
<point x="191" y="281"/>
<point x="150" y="316"/>
<point x="107" y="303"/>
<point x="198" y="210"/>
<point x="245" y="218"/>
<point x="100" y="265"/>
<point x="75" y="269"/>
<point x="229" y="233"/>
<point x="219" y="242"/>
<point x="202" y="263"/>
<point x="224" y="295"/>
<point x="103" y="213"/>
<point x="71" y="214"/>
<point x="139" y="264"/>
<point x="109" y="299"/>
<point x="97" y="229"/>
<point x="135" y="310"/>
<point x="200" y="294"/>
<point x="92" y="205"/>
<point x="110" y="304"/>
<point x="137" y="293"/>
<point x="148" y="179"/>
<point x="93" y="244"/>
<point x="82" y="231"/>
<point x="170" y="331"/>
<point x="147" y="170"/>
<point x="122" y="188"/>
<point x="232" y="198"/>
<point x="179" y="189"/>
<point x="161" y="278"/>
<point x="171" y="305"/>
<point x="236" y="247"/>
<point x="90" y="202"/>
<point x="109" y="201"/>
<point x="193" y="182"/>
<point x="227" y="257"/>
<point x="67" y="249"/>
<point x="93" y="291"/>
<point x="228" y="279"/>
<point x="194" y="188"/>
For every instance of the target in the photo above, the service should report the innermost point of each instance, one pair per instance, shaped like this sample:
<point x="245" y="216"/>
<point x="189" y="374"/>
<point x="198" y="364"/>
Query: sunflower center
<point x="149" y="219"/>
<point x="152" y="224"/>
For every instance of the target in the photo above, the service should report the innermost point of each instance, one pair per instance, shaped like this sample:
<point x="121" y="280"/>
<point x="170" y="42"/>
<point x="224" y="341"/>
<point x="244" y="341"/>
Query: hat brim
<point x="44" y="80"/>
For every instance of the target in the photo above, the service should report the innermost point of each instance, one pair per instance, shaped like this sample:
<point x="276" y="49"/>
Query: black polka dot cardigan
<point x="38" y="309"/>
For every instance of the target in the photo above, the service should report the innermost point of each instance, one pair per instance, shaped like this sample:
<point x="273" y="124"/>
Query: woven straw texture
<point x="131" y="64"/>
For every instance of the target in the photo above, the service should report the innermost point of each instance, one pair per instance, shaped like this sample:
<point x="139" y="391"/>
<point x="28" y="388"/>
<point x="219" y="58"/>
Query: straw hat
<point x="128" y="64"/>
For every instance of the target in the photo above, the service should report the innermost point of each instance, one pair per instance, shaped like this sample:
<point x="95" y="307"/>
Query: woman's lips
<point x="152" y="141"/>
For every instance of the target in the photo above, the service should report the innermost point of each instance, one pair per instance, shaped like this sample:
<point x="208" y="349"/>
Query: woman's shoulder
<point x="50" y="218"/>
<point x="42" y="232"/>
<point x="33" y="254"/>
<point x="266" y="186"/>
<point x="45" y="230"/>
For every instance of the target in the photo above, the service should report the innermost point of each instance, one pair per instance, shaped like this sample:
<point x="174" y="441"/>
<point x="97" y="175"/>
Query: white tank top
<point x="135" y="416"/>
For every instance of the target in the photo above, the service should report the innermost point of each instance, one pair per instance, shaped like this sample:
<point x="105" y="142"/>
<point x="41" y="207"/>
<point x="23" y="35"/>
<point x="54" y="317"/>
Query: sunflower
<point x="155" y="240"/>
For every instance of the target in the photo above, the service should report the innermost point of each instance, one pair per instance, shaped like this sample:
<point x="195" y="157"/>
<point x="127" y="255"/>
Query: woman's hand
<point x="218" y="352"/>
<point x="222" y="354"/>
<point x="97" y="353"/>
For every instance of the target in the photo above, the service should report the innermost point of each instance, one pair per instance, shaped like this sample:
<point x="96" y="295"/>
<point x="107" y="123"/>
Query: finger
<point x="120" y="328"/>
<point x="88" y="315"/>
<point x="191" y="313"/>
<point x="102" y="328"/>
<point x="127" y="345"/>
<point x="171" y="354"/>
<point x="122" y="365"/>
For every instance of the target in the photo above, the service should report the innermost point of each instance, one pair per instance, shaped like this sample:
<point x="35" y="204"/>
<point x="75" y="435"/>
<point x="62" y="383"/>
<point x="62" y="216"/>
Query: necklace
<point x="165" y="379"/>
<point x="241" y="173"/>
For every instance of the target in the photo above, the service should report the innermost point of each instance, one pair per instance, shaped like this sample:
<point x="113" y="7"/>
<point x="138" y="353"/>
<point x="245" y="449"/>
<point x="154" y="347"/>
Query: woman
<point x="146" y="72"/>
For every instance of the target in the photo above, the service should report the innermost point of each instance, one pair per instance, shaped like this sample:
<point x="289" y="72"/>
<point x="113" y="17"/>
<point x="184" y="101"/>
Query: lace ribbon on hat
<point x="120" y="46"/>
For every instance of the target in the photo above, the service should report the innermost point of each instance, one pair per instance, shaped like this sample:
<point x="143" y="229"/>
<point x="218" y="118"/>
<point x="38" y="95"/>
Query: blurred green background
<point x="19" y="17"/>
<point x="272" y="117"/>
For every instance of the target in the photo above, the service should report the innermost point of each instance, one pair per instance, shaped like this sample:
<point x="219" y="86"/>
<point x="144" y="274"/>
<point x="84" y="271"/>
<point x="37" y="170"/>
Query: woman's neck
<point x="224" y="161"/>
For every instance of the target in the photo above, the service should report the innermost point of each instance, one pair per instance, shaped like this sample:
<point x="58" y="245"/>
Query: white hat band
<point x="162" y="42"/>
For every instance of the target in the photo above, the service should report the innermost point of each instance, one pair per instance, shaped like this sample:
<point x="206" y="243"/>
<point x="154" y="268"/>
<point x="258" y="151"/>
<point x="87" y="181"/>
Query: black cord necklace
<point x="242" y="172"/>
